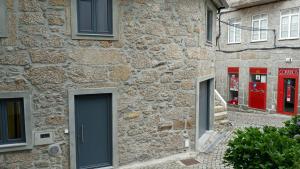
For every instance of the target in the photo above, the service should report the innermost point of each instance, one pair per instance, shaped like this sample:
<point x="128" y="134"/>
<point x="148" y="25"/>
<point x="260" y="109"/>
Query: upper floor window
<point x="209" y="25"/>
<point x="234" y="31"/>
<point x="94" y="16"/>
<point x="289" y="27"/>
<point x="94" y="19"/>
<point x="259" y="26"/>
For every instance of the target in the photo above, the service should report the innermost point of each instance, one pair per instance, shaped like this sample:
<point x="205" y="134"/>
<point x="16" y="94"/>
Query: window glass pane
<point x="264" y="24"/>
<point x="294" y="20"/>
<point x="285" y="20"/>
<point x="255" y="32"/>
<point x="209" y="25"/>
<point x="238" y="34"/>
<point x="284" y="34"/>
<point x="14" y="119"/>
<point x="256" y="24"/>
<point x="104" y="16"/>
<point x="1" y="123"/>
<point x="284" y="27"/>
<point x="255" y="35"/>
<point x="294" y="33"/>
<point x="85" y="16"/>
<point x="3" y="19"/>
<point x="263" y="35"/>
<point x="294" y="26"/>
<point x="231" y="34"/>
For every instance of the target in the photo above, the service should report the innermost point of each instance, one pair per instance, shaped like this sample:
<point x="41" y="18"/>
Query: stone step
<point x="224" y="122"/>
<point x="219" y="109"/>
<point x="218" y="104"/>
<point x="221" y="116"/>
<point x="217" y="101"/>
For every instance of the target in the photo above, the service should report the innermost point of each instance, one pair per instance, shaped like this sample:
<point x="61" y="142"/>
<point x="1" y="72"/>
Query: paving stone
<point x="214" y="160"/>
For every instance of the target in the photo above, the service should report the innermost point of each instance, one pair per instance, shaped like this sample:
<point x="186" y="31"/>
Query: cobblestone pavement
<point x="214" y="160"/>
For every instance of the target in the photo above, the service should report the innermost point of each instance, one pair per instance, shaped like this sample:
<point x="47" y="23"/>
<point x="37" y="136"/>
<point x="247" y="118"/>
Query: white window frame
<point x="289" y="24"/>
<point x="234" y="22"/>
<point x="260" y="19"/>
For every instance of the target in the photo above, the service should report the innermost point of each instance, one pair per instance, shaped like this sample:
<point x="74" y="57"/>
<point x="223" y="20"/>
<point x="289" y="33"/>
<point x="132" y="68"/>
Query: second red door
<point x="258" y="88"/>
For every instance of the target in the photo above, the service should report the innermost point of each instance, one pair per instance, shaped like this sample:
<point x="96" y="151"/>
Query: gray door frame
<point x="211" y="78"/>
<point x="72" y="127"/>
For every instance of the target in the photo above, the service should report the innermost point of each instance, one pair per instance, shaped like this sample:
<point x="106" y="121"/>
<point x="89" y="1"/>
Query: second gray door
<point x="204" y="107"/>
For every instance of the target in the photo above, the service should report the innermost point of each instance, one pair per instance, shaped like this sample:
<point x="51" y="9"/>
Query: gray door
<point x="93" y="131"/>
<point x="204" y="107"/>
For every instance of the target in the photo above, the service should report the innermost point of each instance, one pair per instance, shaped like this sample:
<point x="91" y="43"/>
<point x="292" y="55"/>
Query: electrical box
<point x="288" y="60"/>
<point x="43" y="138"/>
<point x="186" y="143"/>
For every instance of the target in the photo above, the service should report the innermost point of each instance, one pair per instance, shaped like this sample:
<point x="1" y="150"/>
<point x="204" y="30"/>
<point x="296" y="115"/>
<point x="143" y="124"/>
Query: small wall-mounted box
<point x="288" y="60"/>
<point x="43" y="138"/>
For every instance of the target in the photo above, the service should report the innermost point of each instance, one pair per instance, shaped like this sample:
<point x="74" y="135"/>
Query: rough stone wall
<point x="271" y="59"/>
<point x="154" y="65"/>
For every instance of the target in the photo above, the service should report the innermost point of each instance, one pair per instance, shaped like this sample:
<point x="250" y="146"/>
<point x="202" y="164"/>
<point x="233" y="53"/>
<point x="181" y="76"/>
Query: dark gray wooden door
<point x="204" y="106"/>
<point x="93" y="131"/>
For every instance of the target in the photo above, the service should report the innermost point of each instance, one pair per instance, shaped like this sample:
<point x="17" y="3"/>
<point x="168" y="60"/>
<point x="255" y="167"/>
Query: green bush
<point x="292" y="127"/>
<point x="265" y="148"/>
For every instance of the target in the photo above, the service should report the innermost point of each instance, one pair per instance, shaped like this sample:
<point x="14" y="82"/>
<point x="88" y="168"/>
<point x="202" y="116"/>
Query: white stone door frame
<point x="211" y="78"/>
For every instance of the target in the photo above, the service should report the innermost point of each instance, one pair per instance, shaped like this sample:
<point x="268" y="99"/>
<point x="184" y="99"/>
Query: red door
<point x="258" y="88"/>
<point x="287" y="96"/>
<point x="233" y="73"/>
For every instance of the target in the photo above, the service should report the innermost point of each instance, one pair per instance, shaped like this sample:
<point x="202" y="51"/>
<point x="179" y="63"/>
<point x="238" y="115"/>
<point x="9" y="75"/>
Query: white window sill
<point x="88" y="36"/>
<point x="15" y="147"/>
<point x="283" y="39"/>
<point x="233" y="43"/>
<point x="94" y="34"/>
<point x="257" y="41"/>
<point x="109" y="167"/>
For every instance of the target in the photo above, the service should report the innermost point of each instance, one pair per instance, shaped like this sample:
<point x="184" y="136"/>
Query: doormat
<point x="189" y="162"/>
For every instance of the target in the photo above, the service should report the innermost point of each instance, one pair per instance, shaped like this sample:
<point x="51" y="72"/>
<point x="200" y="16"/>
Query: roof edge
<point x="221" y="3"/>
<point x="244" y="4"/>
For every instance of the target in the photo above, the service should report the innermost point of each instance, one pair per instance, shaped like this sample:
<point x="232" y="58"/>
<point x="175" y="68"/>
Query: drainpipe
<point x="219" y="33"/>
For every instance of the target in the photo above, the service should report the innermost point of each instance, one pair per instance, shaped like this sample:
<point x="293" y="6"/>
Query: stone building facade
<point x="274" y="52"/>
<point x="152" y="69"/>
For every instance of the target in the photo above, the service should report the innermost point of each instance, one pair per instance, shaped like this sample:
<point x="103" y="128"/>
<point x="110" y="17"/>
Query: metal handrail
<point x="221" y="98"/>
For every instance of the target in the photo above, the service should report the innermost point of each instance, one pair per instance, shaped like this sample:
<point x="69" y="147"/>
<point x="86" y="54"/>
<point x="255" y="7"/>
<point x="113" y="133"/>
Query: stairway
<point x="221" y="115"/>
